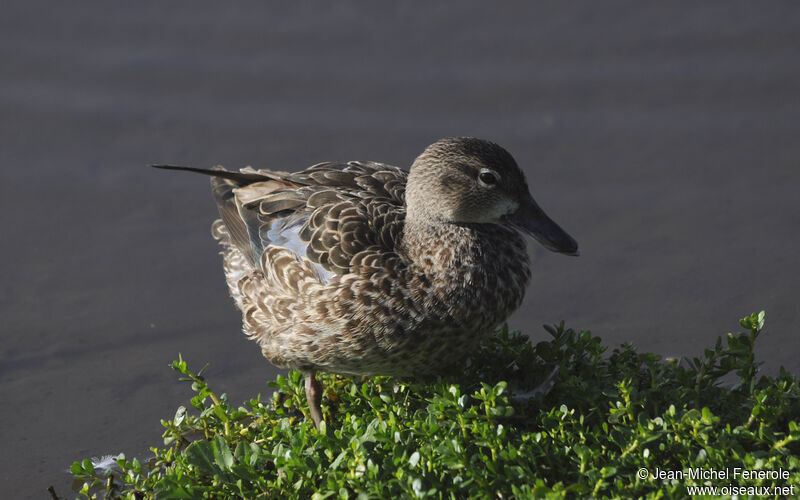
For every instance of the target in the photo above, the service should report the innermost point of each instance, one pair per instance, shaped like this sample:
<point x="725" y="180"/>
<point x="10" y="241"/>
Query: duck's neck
<point x="438" y="245"/>
<point x="478" y="269"/>
<point x="466" y="252"/>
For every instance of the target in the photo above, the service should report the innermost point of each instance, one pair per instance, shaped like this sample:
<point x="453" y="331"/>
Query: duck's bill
<point x="532" y="220"/>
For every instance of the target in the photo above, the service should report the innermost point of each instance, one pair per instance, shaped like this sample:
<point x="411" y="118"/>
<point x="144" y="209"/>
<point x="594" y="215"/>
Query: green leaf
<point x="200" y="454"/>
<point x="335" y="464"/>
<point x="180" y="415"/>
<point x="222" y="453"/>
<point x="413" y="460"/>
<point x="219" y="411"/>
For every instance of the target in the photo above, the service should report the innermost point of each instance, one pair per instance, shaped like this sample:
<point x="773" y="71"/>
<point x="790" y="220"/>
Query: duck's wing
<point x="326" y="214"/>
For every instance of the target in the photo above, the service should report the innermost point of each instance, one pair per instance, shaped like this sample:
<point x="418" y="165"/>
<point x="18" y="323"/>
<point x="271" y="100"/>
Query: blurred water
<point x="662" y="136"/>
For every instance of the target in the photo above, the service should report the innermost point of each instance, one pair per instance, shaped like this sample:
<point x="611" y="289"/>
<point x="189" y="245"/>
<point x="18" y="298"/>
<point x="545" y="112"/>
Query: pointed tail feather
<point x="241" y="179"/>
<point x="223" y="183"/>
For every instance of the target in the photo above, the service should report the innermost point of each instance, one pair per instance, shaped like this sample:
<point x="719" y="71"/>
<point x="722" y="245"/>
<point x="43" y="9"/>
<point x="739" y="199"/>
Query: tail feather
<point x="223" y="183"/>
<point x="240" y="178"/>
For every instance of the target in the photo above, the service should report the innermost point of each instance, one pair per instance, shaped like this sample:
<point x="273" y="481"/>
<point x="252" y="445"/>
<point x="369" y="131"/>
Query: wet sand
<point x="664" y="137"/>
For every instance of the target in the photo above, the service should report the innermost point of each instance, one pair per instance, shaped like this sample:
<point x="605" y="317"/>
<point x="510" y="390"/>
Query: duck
<point x="364" y="268"/>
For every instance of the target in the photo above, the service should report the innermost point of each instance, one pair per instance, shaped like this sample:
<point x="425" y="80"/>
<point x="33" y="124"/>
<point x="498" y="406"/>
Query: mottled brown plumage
<point x="362" y="268"/>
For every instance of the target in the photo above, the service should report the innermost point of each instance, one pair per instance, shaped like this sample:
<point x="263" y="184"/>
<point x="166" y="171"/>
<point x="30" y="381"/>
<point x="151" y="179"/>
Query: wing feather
<point x="326" y="214"/>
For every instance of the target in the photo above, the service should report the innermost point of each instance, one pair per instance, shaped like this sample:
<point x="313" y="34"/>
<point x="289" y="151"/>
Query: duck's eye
<point x="488" y="178"/>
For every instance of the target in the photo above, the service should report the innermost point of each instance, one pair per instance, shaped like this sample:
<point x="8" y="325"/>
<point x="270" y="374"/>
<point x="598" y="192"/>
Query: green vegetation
<point x="609" y="416"/>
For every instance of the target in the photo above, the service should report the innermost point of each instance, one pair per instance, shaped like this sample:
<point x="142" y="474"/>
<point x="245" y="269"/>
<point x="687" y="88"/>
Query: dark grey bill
<point x="531" y="219"/>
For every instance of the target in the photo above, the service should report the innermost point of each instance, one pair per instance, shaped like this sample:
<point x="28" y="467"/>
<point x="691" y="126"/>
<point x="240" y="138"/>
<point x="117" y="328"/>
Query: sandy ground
<point x="664" y="137"/>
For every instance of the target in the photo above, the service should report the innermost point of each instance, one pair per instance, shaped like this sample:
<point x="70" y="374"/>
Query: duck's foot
<point x="542" y="389"/>
<point x="314" y="397"/>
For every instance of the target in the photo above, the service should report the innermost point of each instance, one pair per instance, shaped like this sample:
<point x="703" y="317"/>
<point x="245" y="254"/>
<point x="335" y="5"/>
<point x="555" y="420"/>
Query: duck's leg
<point x="314" y="397"/>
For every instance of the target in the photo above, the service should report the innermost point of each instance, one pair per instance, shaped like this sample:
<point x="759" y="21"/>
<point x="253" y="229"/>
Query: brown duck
<point x="364" y="268"/>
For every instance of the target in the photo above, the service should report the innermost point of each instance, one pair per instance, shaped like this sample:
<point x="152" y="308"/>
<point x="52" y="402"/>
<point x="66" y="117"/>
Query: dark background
<point x="662" y="135"/>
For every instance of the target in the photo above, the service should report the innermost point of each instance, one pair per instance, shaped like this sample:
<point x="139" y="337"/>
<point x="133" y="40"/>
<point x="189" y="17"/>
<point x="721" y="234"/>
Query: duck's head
<point x="468" y="180"/>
